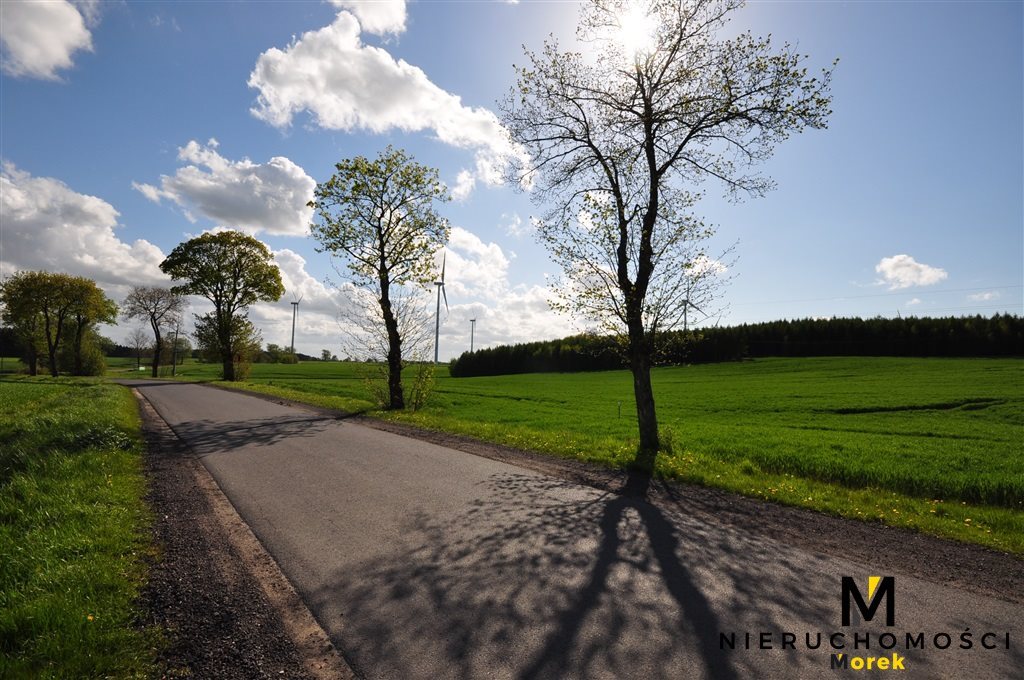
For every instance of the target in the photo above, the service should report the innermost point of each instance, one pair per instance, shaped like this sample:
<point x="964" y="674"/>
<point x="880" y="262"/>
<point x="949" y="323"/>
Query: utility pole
<point x="472" y="330"/>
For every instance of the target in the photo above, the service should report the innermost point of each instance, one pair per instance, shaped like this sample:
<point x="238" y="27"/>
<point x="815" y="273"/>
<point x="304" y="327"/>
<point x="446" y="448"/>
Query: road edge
<point x="320" y="658"/>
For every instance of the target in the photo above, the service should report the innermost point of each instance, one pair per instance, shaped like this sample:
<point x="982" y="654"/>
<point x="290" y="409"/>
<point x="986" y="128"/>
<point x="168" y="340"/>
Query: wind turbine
<point x="437" y="322"/>
<point x="295" y="311"/>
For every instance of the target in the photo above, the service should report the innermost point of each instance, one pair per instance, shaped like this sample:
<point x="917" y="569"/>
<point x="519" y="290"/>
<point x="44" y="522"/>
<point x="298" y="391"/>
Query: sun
<point x="637" y="30"/>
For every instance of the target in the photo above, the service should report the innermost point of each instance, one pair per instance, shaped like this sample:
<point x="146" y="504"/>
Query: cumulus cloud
<point x="913" y="301"/>
<point x="380" y="17"/>
<point x="270" y="197"/>
<point x="39" y="38"/>
<point x="347" y="85"/>
<point x="903" y="271"/>
<point x="513" y="225"/>
<point x="465" y="182"/>
<point x="47" y="225"/>
<point x="984" y="297"/>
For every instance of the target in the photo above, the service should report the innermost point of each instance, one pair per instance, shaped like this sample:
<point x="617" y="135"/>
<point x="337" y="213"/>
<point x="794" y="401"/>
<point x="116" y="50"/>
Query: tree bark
<point x="646" y="416"/>
<point x="227" y="356"/>
<point x="158" y="348"/>
<point x="52" y="343"/>
<point x="79" y="332"/>
<point x="396" y="398"/>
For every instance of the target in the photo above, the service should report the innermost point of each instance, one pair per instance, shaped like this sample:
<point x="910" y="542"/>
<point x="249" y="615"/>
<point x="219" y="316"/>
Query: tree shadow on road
<point x="544" y="579"/>
<point x="212" y="437"/>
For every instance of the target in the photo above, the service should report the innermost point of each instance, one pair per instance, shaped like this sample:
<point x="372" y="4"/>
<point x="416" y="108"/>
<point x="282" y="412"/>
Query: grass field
<point x="933" y="444"/>
<point x="72" y="531"/>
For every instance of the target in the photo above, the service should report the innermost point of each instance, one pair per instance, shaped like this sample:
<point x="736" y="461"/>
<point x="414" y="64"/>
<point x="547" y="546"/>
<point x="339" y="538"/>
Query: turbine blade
<point x="443" y="293"/>
<point x="444" y="256"/>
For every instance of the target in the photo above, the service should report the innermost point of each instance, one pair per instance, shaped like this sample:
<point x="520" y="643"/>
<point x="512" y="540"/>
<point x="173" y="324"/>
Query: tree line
<point x="972" y="336"/>
<point x="52" y="317"/>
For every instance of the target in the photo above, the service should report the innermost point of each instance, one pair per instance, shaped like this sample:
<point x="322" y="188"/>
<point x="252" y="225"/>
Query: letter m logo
<point x="878" y="588"/>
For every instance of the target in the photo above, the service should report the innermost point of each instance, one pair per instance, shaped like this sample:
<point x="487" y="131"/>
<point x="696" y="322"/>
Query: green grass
<point x="930" y="444"/>
<point x="73" y="529"/>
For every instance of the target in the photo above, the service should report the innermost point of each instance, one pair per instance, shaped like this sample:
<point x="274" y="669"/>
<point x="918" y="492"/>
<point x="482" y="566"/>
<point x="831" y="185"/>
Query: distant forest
<point x="971" y="336"/>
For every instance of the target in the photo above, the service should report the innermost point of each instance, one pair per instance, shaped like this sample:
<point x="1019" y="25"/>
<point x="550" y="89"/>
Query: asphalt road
<point x="425" y="562"/>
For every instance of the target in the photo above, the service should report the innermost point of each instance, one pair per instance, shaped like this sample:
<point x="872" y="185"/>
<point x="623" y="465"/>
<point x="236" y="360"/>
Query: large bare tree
<point x="161" y="308"/>
<point x="621" y="135"/>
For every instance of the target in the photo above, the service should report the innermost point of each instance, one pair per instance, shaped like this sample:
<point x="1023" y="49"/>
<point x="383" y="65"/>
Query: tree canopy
<point x="232" y="270"/>
<point x="44" y="307"/>
<point x="378" y="216"/>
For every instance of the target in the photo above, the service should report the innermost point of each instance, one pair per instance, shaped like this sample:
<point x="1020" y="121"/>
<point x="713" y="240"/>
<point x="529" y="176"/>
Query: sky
<point x="129" y="127"/>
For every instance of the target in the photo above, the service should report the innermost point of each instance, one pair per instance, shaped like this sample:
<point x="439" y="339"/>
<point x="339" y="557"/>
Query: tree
<point x="161" y="308"/>
<point x="45" y="306"/>
<point x="232" y="270"/>
<point x="138" y="340"/>
<point x="244" y="339"/>
<point x="379" y="215"/>
<point x="17" y="294"/>
<point x="621" y="138"/>
<point x="180" y="349"/>
<point x="91" y="307"/>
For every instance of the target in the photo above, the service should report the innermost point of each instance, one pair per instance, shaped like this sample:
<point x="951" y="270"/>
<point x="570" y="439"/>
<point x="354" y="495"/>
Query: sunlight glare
<point x="637" y="30"/>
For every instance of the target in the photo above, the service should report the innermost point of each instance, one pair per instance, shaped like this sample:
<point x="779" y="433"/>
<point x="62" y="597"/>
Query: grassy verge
<point x="72" y="531"/>
<point x="928" y="444"/>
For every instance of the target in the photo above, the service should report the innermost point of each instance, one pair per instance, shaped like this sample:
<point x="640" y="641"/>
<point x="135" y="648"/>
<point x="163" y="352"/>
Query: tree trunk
<point x="51" y="345"/>
<point x="158" y="348"/>
<point x="646" y="416"/>
<point x="395" y="397"/>
<point x="79" y="333"/>
<point x="227" y="359"/>
<point x="33" y="360"/>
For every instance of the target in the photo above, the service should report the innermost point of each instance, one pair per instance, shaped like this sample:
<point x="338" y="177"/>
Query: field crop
<point x="933" y="444"/>
<point x="72" y="531"/>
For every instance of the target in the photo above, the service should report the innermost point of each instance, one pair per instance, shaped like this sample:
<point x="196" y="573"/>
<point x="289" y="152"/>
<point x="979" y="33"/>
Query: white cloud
<point x="39" y="38"/>
<point x="47" y="225"/>
<point x="902" y="271"/>
<point x="913" y="301"/>
<point x="513" y="225"/>
<point x="346" y="85"/>
<point x="380" y="17"/>
<point x="474" y="268"/>
<point x="464" y="185"/>
<point x="984" y="297"/>
<point x="269" y="197"/>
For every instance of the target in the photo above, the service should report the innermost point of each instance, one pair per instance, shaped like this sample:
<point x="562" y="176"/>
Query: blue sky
<point x="127" y="127"/>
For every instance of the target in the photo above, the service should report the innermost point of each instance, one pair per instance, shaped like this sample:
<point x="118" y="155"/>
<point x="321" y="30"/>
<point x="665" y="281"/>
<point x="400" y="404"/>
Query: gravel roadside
<point x="227" y="611"/>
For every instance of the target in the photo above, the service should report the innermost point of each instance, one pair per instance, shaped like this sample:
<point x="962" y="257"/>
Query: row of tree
<point x="53" y="316"/>
<point x="1000" y="335"/>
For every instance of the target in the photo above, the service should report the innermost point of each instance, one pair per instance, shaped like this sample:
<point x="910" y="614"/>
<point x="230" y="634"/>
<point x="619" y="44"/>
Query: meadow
<point x="73" y="531"/>
<point x="931" y="444"/>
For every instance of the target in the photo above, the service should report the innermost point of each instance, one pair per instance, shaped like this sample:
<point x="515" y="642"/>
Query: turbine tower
<point x="472" y="331"/>
<point x="437" y="317"/>
<point x="295" y="311"/>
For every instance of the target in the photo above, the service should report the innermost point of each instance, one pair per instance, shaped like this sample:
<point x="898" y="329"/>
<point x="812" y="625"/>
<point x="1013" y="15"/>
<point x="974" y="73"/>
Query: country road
<point x="426" y="562"/>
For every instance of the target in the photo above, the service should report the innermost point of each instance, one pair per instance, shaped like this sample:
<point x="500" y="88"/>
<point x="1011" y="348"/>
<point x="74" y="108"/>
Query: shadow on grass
<point x="545" y="579"/>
